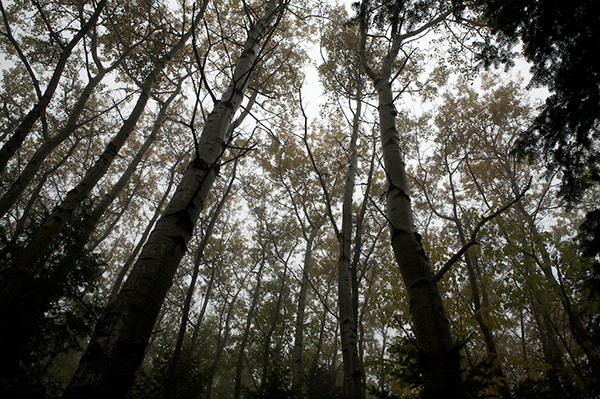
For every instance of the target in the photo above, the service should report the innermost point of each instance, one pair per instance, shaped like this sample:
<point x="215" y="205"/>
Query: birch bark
<point x="116" y="349"/>
<point x="438" y="358"/>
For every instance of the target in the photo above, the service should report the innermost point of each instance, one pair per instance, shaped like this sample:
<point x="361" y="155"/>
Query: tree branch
<point x="473" y="240"/>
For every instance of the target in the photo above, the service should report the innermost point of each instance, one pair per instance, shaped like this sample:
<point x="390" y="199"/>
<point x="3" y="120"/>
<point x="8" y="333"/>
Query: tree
<point x="437" y="354"/>
<point x="560" y="40"/>
<point x="21" y="132"/>
<point x="121" y="336"/>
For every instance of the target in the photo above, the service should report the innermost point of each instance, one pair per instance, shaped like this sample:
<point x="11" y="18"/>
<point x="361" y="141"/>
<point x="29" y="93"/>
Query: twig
<point x="473" y="240"/>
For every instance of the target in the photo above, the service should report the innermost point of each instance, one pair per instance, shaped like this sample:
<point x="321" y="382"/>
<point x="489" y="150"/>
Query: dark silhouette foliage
<point x="561" y="40"/>
<point x="53" y="315"/>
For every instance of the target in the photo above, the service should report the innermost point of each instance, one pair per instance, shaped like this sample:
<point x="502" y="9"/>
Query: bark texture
<point x="117" y="347"/>
<point x="438" y="358"/>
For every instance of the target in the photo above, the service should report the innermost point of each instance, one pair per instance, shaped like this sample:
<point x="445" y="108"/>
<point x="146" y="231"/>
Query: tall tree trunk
<point x="40" y="241"/>
<point x="14" y="143"/>
<point x="116" y="349"/>
<point x="347" y="281"/>
<point x="172" y="382"/>
<point x="438" y="357"/>
<point x="299" y="330"/>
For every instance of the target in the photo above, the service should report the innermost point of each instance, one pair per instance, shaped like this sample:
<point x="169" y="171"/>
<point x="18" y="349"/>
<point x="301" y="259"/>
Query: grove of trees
<point x="299" y="199"/>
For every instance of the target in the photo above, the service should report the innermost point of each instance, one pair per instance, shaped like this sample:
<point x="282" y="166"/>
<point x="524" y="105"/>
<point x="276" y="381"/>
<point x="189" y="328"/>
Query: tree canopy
<point x="298" y="199"/>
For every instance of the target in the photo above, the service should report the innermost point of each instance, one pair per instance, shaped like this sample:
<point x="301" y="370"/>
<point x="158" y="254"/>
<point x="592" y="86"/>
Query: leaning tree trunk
<point x="53" y="224"/>
<point x="14" y="143"/>
<point x="116" y="349"/>
<point x="438" y="357"/>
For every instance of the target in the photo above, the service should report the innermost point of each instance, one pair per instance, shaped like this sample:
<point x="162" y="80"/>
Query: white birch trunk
<point x="438" y="358"/>
<point x="117" y="347"/>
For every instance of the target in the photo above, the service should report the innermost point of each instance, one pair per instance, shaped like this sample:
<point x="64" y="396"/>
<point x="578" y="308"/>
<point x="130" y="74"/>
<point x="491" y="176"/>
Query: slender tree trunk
<point x="33" y="165"/>
<point x="14" y="143"/>
<point x="548" y="337"/>
<point x="240" y="359"/>
<point x="21" y="223"/>
<point x="581" y="336"/>
<point x="347" y="281"/>
<point x="222" y="342"/>
<point x="482" y="318"/>
<point x="523" y="339"/>
<point x="116" y="349"/>
<point x="299" y="331"/>
<point x="481" y="314"/>
<point x="200" y="318"/>
<point x="40" y="241"/>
